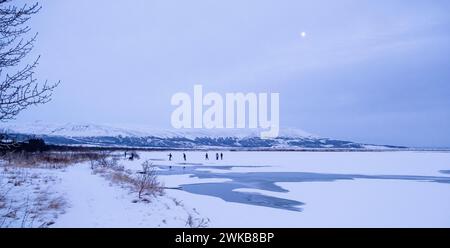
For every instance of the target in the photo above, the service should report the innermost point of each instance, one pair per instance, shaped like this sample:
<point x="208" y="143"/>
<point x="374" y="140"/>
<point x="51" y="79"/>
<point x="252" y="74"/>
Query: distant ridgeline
<point x="280" y="143"/>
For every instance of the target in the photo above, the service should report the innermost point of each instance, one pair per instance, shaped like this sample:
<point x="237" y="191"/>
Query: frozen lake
<point x="311" y="189"/>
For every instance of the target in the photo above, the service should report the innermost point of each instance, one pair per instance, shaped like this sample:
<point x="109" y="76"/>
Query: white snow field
<point x="96" y="202"/>
<point x="74" y="196"/>
<point x="407" y="196"/>
<point x="254" y="189"/>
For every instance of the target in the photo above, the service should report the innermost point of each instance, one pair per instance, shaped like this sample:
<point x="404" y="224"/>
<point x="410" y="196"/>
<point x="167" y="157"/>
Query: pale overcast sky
<point x="368" y="71"/>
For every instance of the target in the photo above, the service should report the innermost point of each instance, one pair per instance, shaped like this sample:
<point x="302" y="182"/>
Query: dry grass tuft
<point x="48" y="159"/>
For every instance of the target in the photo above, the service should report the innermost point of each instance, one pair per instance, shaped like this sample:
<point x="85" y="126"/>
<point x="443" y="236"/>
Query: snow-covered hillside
<point x="96" y="130"/>
<point x="138" y="136"/>
<point x="69" y="129"/>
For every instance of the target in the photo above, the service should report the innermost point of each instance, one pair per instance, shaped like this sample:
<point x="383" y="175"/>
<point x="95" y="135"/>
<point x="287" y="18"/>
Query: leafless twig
<point x="19" y="89"/>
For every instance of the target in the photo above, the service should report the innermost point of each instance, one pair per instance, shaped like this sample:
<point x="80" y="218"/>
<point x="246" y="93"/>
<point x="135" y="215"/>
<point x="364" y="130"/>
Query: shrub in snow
<point x="146" y="181"/>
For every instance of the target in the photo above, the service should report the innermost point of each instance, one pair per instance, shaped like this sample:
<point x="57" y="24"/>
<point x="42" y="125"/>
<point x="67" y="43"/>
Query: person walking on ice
<point x="184" y="156"/>
<point x="221" y="156"/>
<point x="217" y="156"/>
<point x="170" y="156"/>
<point x="206" y="156"/>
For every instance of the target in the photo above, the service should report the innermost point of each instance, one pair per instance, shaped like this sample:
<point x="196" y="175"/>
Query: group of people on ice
<point x="218" y="155"/>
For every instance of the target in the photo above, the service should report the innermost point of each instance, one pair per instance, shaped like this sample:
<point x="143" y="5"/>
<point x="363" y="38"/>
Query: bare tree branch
<point x="19" y="89"/>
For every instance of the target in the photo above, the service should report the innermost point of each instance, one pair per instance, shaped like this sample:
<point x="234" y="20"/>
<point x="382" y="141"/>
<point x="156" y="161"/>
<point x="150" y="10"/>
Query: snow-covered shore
<point x="85" y="199"/>
<point x="333" y="189"/>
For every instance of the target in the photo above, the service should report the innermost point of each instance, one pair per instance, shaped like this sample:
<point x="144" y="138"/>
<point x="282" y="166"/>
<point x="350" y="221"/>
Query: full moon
<point x="303" y="34"/>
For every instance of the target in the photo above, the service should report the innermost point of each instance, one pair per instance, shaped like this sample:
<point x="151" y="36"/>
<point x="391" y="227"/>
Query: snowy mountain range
<point x="137" y="136"/>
